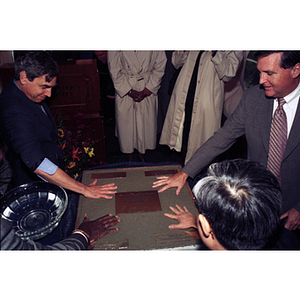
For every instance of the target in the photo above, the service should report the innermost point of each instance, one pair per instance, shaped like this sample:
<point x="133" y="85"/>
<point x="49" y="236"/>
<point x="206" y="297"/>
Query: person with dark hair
<point x="36" y="65"/>
<point x="239" y="204"/>
<point x="269" y="117"/>
<point x="29" y="131"/>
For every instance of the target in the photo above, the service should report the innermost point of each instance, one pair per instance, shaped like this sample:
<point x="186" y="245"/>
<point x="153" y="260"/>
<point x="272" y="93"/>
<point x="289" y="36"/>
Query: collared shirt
<point x="290" y="107"/>
<point x="46" y="165"/>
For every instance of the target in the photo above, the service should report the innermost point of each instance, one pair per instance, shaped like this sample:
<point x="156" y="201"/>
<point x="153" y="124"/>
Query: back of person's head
<point x="242" y="202"/>
<point x="36" y="64"/>
<point x="288" y="60"/>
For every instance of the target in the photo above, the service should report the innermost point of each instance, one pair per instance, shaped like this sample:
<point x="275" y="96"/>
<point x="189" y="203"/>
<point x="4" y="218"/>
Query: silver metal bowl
<point x="34" y="209"/>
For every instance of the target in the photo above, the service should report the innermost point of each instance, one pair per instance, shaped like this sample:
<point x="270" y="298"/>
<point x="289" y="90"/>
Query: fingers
<point x="109" y="191"/>
<point x="104" y="186"/>
<point x="284" y="216"/>
<point x="111" y="223"/>
<point x="105" y="196"/>
<point x="108" y="185"/>
<point x="100" y="191"/>
<point x="180" y="209"/>
<point x="185" y="209"/>
<point x="177" y="180"/>
<point x="174" y="217"/>
<point x="103" y="218"/>
<point x="159" y="183"/>
<point x="174" y="210"/>
<point x="111" y="230"/>
<point x="174" y="226"/>
<point x="163" y="189"/>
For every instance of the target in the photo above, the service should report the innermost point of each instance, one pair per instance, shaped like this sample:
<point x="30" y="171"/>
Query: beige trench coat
<point x="234" y="89"/>
<point x="208" y="102"/>
<point x="136" y="122"/>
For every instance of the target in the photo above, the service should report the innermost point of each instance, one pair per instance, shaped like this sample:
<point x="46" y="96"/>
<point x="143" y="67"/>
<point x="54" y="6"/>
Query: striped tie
<point x="278" y="138"/>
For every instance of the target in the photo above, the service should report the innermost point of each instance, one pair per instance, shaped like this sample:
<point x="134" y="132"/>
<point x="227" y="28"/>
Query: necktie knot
<point x="281" y="102"/>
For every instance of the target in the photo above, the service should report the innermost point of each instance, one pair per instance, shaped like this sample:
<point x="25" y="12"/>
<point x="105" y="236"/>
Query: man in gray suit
<point x="279" y="77"/>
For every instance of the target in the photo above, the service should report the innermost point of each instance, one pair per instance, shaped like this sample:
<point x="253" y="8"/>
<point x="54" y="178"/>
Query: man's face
<point x="38" y="89"/>
<point x="277" y="81"/>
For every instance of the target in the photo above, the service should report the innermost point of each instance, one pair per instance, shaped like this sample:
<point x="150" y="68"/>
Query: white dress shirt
<point x="290" y="107"/>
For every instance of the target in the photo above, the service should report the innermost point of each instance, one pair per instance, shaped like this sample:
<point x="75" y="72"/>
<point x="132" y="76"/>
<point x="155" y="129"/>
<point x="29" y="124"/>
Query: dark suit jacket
<point x="30" y="134"/>
<point x="253" y="118"/>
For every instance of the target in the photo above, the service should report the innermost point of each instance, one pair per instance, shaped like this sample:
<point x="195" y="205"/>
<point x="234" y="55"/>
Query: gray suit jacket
<point x="253" y="118"/>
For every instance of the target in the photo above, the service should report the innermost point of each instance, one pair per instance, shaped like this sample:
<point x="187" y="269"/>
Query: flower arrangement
<point x="77" y="151"/>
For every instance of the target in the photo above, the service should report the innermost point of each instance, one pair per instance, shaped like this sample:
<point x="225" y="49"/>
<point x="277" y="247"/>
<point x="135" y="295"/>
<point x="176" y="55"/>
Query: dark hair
<point x="242" y="202"/>
<point x="36" y="64"/>
<point x="288" y="60"/>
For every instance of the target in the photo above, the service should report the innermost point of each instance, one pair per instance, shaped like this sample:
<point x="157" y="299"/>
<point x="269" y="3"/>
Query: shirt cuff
<point x="47" y="166"/>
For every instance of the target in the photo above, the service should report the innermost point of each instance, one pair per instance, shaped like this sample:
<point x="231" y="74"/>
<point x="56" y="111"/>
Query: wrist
<point x="184" y="175"/>
<point x="83" y="233"/>
<point x="195" y="223"/>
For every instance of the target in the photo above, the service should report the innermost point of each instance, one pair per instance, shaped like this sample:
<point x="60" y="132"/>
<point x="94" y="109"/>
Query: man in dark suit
<point x="279" y="77"/>
<point x="28" y="129"/>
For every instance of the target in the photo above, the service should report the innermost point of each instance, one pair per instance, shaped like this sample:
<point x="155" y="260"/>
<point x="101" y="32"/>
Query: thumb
<point x="93" y="183"/>
<point x="178" y="190"/>
<point x="86" y="218"/>
<point x="173" y="226"/>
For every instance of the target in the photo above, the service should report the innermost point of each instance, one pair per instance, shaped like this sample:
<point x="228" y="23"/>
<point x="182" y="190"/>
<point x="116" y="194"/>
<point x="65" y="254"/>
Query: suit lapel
<point x="265" y="120"/>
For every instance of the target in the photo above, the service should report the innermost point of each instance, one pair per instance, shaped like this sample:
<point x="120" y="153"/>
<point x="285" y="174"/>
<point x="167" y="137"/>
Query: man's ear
<point x="296" y="70"/>
<point x="23" y="77"/>
<point x="204" y="224"/>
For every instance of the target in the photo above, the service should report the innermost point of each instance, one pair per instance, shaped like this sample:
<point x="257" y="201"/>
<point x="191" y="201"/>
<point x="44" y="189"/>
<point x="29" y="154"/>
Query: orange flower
<point x="62" y="146"/>
<point x="75" y="153"/>
<point x="71" y="165"/>
<point x="61" y="133"/>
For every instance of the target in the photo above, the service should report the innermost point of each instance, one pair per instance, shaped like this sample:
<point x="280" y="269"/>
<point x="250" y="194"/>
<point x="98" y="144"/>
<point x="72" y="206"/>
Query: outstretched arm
<point x="89" y="191"/>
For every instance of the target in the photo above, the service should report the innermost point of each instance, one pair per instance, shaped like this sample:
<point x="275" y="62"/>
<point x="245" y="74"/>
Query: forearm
<point x="214" y="146"/>
<point x="64" y="180"/>
<point x="221" y="141"/>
